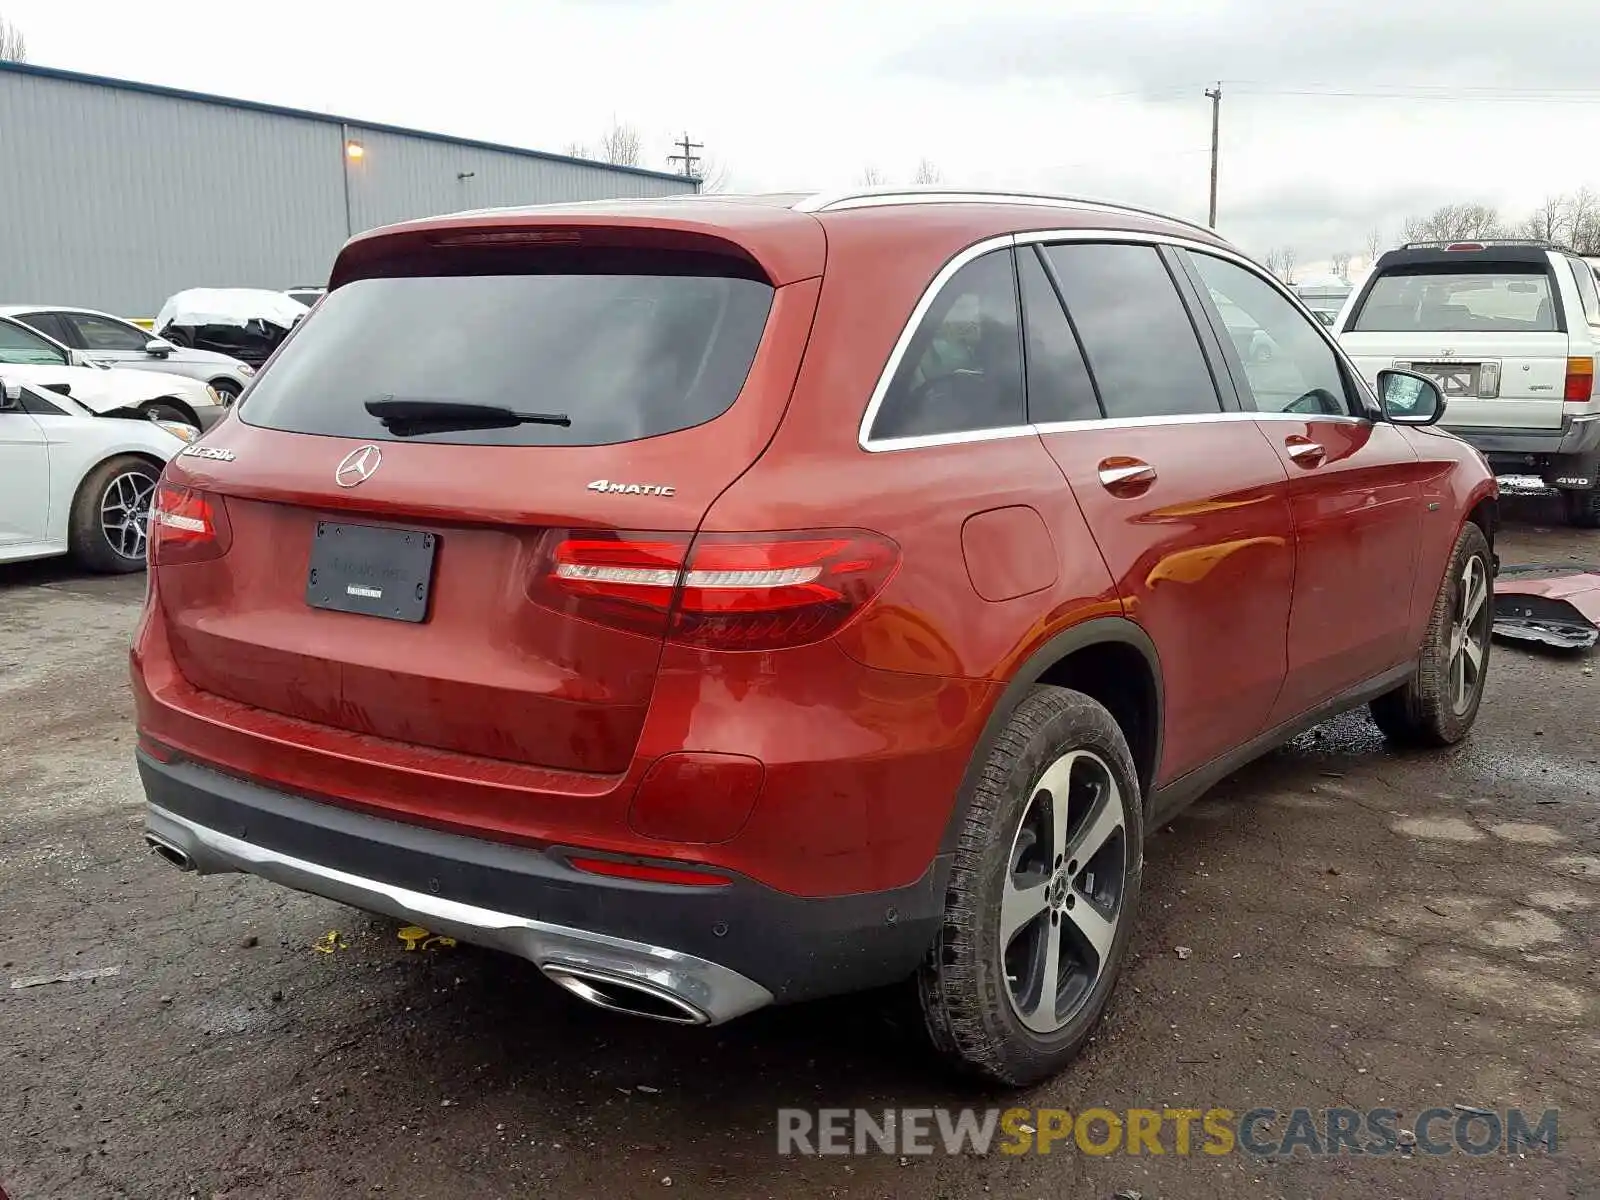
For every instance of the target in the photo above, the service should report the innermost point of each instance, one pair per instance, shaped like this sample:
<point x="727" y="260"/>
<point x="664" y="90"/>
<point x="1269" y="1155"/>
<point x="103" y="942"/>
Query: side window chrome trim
<point x="1189" y="419"/>
<point x="1034" y="236"/>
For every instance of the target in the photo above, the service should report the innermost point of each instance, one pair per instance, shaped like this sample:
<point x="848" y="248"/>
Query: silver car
<point x="103" y="340"/>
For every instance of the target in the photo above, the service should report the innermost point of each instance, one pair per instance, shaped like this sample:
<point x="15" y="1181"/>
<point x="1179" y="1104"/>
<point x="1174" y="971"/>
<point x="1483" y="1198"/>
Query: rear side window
<point x="962" y="371"/>
<point x="23" y="347"/>
<point x="1583" y="276"/>
<point x="1135" y="329"/>
<point x="1505" y="298"/>
<point x="1059" y="387"/>
<point x="624" y="355"/>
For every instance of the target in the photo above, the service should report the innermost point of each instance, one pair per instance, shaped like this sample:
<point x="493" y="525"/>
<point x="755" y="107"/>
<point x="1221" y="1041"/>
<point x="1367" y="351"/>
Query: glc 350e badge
<point x="215" y="453"/>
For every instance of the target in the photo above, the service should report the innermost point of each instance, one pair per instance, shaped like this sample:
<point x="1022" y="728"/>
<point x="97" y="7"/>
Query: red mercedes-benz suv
<point x="729" y="601"/>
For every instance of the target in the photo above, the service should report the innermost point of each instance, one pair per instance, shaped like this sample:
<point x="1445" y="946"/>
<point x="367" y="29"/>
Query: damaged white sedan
<point x="77" y="481"/>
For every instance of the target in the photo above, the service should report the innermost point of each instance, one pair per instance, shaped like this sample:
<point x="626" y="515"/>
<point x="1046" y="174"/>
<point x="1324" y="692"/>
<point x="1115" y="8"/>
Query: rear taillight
<point x="187" y="526"/>
<point x="1580" y="380"/>
<point x="725" y="591"/>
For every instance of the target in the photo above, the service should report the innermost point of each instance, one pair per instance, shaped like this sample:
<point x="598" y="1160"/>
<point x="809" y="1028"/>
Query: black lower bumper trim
<point x="797" y="948"/>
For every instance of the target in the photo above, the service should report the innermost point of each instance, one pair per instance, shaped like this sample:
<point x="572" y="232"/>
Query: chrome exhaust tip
<point x="616" y="994"/>
<point x="168" y="851"/>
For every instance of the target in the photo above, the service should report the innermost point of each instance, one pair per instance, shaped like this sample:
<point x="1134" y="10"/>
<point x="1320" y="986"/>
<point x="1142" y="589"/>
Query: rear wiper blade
<point x="408" y="417"/>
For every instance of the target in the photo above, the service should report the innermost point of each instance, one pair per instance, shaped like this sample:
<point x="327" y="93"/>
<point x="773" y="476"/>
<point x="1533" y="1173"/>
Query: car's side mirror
<point x="10" y="396"/>
<point x="1409" y="398"/>
<point x="158" y="348"/>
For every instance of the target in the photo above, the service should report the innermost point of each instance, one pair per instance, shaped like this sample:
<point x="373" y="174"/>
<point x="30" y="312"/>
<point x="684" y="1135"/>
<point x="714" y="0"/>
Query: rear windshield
<point x="1509" y="298"/>
<point x="625" y="356"/>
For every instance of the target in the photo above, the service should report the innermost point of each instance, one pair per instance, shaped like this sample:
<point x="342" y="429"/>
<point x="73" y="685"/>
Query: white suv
<point x="1510" y="331"/>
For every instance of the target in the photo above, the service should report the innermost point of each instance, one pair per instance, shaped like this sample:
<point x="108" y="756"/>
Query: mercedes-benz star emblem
<point x="358" y="466"/>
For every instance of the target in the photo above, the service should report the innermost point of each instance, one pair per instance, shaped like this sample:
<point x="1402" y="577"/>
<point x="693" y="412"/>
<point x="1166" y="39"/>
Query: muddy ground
<point x="1365" y="929"/>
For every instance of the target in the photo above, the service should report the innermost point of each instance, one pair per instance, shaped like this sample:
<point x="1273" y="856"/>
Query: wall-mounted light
<point x="354" y="150"/>
<point x="464" y="175"/>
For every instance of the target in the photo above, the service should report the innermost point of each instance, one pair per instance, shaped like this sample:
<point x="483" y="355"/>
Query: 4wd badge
<point x="632" y="489"/>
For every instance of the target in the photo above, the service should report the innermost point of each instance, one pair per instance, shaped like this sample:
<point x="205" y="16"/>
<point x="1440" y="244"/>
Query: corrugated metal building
<point x="114" y="194"/>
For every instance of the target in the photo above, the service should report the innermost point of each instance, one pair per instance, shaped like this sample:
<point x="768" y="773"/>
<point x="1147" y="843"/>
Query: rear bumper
<point x="1567" y="457"/>
<point x="717" y="952"/>
<point x="1579" y="436"/>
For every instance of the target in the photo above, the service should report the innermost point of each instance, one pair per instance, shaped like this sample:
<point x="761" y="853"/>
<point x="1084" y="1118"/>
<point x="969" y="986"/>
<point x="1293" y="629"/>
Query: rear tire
<point x="227" y="390"/>
<point x="1051" y="851"/>
<point x="1582" y="509"/>
<point x="1438" y="706"/>
<point x="109" y="527"/>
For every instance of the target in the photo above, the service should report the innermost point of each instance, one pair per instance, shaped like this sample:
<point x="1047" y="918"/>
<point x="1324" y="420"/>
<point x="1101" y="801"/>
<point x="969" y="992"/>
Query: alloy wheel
<point x="125" y="513"/>
<point x="1469" y="634"/>
<point x="1062" y="900"/>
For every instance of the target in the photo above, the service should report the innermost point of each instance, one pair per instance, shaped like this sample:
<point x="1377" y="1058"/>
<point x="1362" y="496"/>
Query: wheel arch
<point x="1110" y="659"/>
<point x="182" y="406"/>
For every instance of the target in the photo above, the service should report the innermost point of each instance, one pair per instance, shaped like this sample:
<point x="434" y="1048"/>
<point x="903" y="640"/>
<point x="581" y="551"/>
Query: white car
<point x="41" y="360"/>
<point x="98" y="338"/>
<point x="73" y="481"/>
<point x="1510" y="331"/>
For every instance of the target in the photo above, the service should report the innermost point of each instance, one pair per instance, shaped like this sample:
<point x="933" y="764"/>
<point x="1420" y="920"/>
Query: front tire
<point x="1438" y="706"/>
<point x="169" y="410"/>
<point x="110" y="522"/>
<point x="1582" y="509"/>
<point x="1042" y="894"/>
<point x="227" y="390"/>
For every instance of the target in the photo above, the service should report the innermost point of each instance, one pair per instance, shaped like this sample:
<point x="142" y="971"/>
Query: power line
<point x="1424" y="97"/>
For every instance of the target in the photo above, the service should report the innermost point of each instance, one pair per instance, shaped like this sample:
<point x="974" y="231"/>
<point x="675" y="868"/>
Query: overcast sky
<point x="1333" y="122"/>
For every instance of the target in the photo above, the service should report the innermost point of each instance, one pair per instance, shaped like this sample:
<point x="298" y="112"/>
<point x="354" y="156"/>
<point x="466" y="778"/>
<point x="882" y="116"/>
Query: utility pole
<point x="1215" y="96"/>
<point x="688" y="158"/>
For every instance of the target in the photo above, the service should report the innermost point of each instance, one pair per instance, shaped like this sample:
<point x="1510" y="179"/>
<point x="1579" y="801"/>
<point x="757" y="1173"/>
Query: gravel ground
<point x="1365" y="929"/>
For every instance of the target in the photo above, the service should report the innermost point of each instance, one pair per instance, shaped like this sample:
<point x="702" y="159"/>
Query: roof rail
<point x="1446" y="244"/>
<point x="870" y="197"/>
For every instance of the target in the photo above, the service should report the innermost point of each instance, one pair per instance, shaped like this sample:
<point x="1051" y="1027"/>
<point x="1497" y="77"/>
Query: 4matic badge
<point x="633" y="489"/>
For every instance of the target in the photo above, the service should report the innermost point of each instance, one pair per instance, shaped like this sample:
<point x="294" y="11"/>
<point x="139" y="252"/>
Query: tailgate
<point x="403" y="582"/>
<point x="1496" y="380"/>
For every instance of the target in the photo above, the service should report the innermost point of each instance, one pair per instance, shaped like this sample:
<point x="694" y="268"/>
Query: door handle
<point x="1126" y="474"/>
<point x="1305" y="452"/>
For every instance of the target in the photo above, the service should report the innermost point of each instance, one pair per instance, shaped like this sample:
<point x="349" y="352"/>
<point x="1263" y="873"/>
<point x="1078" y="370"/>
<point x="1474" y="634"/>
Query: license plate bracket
<point x="1455" y="379"/>
<point x="371" y="571"/>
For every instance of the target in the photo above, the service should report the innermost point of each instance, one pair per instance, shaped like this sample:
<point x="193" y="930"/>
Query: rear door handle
<point x="1305" y="452"/>
<point x="1126" y="474"/>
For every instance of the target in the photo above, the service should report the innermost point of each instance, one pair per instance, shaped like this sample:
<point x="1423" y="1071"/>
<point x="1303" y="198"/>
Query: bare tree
<point x="1374" y="244"/>
<point x="714" y="174"/>
<point x="13" y="46"/>
<point x="1545" y="224"/>
<point x="1455" y="222"/>
<point x="1340" y="264"/>
<point x="1288" y="256"/>
<point x="927" y="172"/>
<point x="1274" y="261"/>
<point x="872" y="177"/>
<point x="620" y="145"/>
<point x="576" y="150"/>
<point x="1581" y="222"/>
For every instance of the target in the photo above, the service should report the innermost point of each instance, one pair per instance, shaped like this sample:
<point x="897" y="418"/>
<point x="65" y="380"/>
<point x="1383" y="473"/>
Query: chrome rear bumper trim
<point x="714" y="991"/>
